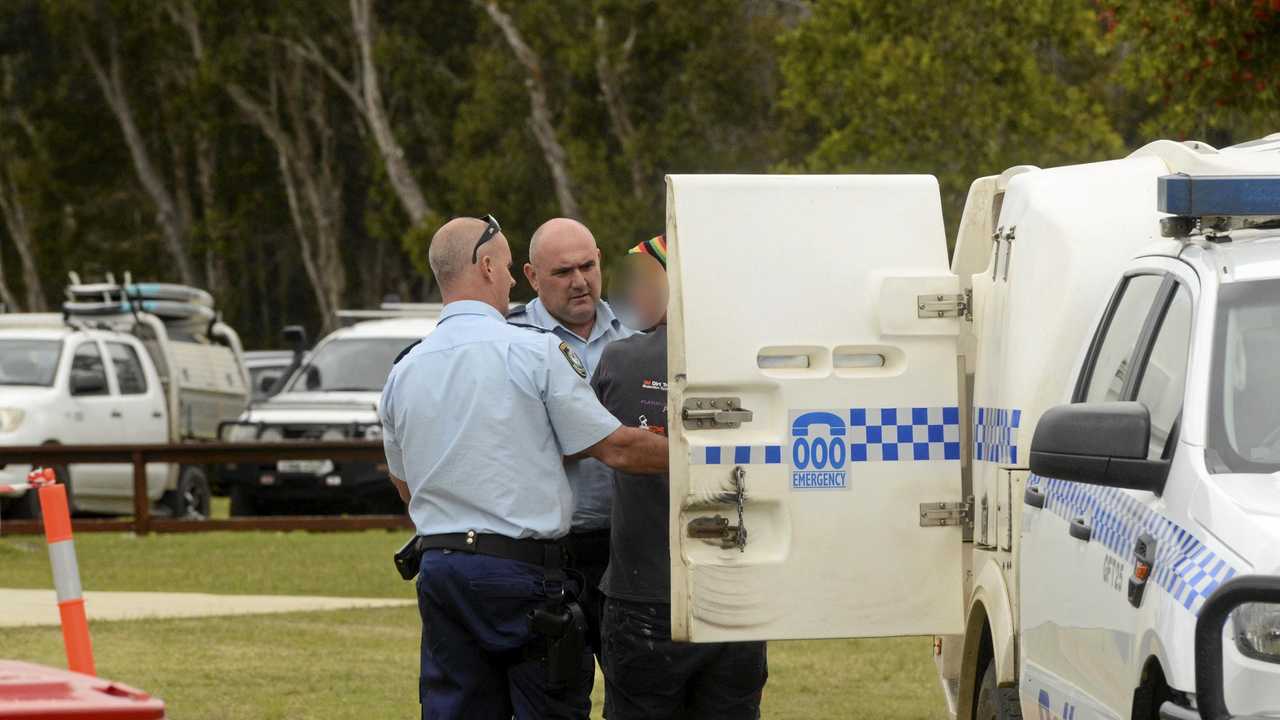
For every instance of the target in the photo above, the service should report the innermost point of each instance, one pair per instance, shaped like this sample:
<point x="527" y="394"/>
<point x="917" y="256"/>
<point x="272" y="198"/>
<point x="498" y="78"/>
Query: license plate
<point x="305" y="467"/>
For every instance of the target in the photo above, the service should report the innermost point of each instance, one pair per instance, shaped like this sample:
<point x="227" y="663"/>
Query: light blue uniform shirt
<point x="477" y="419"/>
<point x="591" y="480"/>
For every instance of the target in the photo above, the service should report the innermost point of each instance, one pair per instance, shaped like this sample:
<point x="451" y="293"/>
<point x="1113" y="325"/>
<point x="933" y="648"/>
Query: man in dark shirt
<point x="646" y="674"/>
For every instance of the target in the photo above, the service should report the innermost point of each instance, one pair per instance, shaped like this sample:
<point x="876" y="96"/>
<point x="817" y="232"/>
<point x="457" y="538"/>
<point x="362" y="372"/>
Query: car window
<point x="88" y="374"/>
<point x="1110" y="367"/>
<point x="358" y="364"/>
<point x="29" y="362"/>
<point x="1244" y="407"/>
<point x="129" y="374"/>
<point x="262" y="379"/>
<point x="1165" y="372"/>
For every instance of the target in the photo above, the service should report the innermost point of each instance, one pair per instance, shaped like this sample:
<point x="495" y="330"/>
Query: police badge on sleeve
<point x="575" y="362"/>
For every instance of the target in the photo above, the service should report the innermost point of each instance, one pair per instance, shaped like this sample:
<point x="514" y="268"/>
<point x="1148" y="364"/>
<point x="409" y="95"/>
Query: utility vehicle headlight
<point x="1256" y="627"/>
<point x="241" y="433"/>
<point x="10" y="419"/>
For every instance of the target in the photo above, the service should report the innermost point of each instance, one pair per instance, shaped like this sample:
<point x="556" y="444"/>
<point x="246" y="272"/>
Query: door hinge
<point x="939" y="305"/>
<point x="946" y="514"/>
<point x="722" y="413"/>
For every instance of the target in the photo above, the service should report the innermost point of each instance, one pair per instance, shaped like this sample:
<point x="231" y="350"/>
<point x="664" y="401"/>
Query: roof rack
<point x="1211" y="205"/>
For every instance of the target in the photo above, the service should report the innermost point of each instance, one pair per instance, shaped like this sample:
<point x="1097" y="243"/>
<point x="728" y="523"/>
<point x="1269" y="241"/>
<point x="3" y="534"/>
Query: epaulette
<point x="404" y="352"/>
<point x="517" y="310"/>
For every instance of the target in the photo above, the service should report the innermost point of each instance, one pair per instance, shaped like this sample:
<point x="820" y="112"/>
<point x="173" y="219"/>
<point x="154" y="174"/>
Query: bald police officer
<point x="477" y="419"/>
<point x="564" y="269"/>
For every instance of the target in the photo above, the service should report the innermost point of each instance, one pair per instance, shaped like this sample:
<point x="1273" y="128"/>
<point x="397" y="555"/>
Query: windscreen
<point x="1244" y="412"/>
<point x="29" y="362"/>
<point x="350" y="365"/>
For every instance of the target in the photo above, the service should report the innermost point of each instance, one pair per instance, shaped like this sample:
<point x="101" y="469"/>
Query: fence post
<point x="66" y="572"/>
<point x="141" y="504"/>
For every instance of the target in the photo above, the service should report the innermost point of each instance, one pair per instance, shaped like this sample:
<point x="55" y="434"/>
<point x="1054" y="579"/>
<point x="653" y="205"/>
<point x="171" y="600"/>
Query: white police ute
<point x="1049" y="450"/>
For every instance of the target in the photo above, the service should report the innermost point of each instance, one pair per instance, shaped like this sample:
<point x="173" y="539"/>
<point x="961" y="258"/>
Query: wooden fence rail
<point x="212" y="453"/>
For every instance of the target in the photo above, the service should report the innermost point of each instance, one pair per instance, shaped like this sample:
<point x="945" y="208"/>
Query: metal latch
<point x="718" y="413"/>
<point x="945" y="514"/>
<point x="716" y="528"/>
<point x="941" y="305"/>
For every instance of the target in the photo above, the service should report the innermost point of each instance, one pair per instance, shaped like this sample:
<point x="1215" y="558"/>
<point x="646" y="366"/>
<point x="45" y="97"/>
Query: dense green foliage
<point x="254" y="149"/>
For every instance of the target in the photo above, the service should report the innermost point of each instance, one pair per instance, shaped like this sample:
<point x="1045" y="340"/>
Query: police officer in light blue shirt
<point x="564" y="269"/>
<point x="477" y="420"/>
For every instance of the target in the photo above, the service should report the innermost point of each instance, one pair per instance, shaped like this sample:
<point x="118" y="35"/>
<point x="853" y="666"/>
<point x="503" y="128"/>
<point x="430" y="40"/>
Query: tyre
<point x="995" y="702"/>
<point x="190" y="500"/>
<point x="244" y="504"/>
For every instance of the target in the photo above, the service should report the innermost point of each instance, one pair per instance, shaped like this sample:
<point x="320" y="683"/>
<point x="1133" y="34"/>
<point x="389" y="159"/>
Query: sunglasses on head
<point x="491" y="228"/>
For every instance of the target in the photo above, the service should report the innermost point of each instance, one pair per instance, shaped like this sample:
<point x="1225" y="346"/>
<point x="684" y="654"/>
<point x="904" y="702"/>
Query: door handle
<point x="157" y="414"/>
<point x="1034" y="497"/>
<point x="115" y="414"/>
<point x="1080" y="530"/>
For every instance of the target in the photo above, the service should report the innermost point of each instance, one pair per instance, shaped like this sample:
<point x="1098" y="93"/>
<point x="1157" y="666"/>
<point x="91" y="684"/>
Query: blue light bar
<point x="1226" y="195"/>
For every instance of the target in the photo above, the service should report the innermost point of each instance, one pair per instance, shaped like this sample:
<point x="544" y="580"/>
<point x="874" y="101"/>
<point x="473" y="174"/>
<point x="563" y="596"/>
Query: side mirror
<point x="1252" y="604"/>
<point x="1098" y="444"/>
<point x="88" y="383"/>
<point x="267" y="382"/>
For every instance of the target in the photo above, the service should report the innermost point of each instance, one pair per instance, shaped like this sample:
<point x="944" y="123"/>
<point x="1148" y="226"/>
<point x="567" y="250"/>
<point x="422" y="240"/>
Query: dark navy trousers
<point x="477" y="659"/>
<point x="650" y="677"/>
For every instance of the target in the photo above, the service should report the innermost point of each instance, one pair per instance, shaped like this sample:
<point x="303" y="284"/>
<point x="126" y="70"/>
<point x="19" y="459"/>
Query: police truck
<point x="1048" y="450"/>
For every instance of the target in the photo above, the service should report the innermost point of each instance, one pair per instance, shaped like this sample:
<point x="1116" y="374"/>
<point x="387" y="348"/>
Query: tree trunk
<point x="293" y="118"/>
<point x="374" y="111"/>
<point x="609" y="77"/>
<point x="365" y="93"/>
<point x="206" y="171"/>
<point x="185" y="16"/>
<point x="111" y="82"/>
<point x="539" y="110"/>
<point x="15" y="222"/>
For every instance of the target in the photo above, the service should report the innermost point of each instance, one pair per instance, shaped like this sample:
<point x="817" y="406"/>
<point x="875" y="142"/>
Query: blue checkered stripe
<point x="736" y="455"/>
<point x="995" y="432"/>
<point x="1186" y="569"/>
<point x="898" y="434"/>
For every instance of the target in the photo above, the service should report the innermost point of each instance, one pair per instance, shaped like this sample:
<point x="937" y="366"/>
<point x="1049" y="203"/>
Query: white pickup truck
<point x="331" y="394"/>
<point x="116" y="379"/>
<point x="1052" y="450"/>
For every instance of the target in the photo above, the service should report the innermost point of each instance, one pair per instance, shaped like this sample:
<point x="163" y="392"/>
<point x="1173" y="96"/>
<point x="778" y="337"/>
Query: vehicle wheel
<point x="994" y="702"/>
<point x="244" y="504"/>
<point x="190" y="500"/>
<point x="28" y="506"/>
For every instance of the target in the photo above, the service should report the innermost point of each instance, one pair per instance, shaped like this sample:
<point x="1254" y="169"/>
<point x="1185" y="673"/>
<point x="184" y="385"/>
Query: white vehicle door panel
<point x="90" y="419"/>
<point x="140" y="401"/>
<point x="797" y="296"/>
<point x="1081" y="635"/>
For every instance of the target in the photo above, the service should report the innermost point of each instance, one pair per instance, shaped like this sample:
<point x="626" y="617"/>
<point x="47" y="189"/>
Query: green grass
<point x="259" y="563"/>
<point x="363" y="663"/>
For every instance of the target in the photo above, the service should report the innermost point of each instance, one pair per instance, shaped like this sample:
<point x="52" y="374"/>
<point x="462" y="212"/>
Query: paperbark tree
<point x="292" y="112"/>
<point x="183" y="14"/>
<point x="609" y="74"/>
<point x="108" y="72"/>
<point x="13" y="206"/>
<point x="364" y="91"/>
<point x="540" y="120"/>
<point x="19" y="230"/>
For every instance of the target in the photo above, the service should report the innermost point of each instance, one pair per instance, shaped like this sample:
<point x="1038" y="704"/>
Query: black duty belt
<point x="549" y="554"/>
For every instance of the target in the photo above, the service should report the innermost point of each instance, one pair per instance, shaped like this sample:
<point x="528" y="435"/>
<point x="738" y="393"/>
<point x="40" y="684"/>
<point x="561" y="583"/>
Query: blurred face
<point x="565" y="273"/>
<point x="641" y="295"/>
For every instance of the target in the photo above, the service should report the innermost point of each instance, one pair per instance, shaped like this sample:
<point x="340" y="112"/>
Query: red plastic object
<point x="36" y="692"/>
